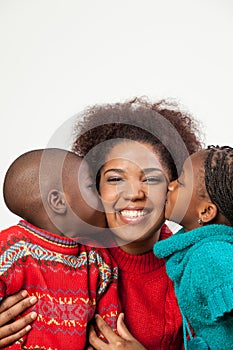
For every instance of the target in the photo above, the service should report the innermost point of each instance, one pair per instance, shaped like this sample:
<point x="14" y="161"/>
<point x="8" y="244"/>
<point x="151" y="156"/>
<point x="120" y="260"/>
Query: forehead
<point x="138" y="153"/>
<point x="194" y="164"/>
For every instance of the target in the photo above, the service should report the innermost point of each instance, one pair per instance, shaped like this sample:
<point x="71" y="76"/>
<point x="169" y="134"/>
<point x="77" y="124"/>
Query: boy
<point x="48" y="189"/>
<point x="200" y="256"/>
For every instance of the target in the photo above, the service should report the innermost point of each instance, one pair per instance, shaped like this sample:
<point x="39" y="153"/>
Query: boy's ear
<point x="208" y="212"/>
<point x="57" y="201"/>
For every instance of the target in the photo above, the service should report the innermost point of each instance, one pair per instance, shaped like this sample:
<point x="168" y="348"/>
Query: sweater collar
<point x="48" y="236"/>
<point x="182" y="240"/>
<point x="144" y="263"/>
<point x="178" y="248"/>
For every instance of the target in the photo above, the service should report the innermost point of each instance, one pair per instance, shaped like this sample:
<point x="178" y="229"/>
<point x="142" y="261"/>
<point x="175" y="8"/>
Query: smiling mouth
<point x="133" y="214"/>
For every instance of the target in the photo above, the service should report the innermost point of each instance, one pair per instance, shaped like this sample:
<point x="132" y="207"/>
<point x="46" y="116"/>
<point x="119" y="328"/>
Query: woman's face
<point x="133" y="187"/>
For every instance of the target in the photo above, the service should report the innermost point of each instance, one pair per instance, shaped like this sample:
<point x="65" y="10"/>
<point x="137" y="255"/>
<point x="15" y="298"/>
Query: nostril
<point x="134" y="195"/>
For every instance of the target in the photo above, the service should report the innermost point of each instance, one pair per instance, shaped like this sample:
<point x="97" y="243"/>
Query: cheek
<point x="172" y="197"/>
<point x="170" y="203"/>
<point x="88" y="201"/>
<point x="108" y="194"/>
<point x="94" y="201"/>
<point x="158" y="196"/>
<point x="92" y="212"/>
<point x="108" y="208"/>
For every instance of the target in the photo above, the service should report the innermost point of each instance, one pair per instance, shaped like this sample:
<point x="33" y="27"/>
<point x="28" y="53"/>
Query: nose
<point x="172" y="185"/>
<point x="134" y="190"/>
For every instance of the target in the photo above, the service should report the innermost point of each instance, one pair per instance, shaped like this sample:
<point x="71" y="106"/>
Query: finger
<point x="96" y="342"/>
<point x="12" y="338"/>
<point x="122" y="329"/>
<point x="106" y="330"/>
<point x="12" y="300"/>
<point x="17" y="326"/>
<point x="16" y="310"/>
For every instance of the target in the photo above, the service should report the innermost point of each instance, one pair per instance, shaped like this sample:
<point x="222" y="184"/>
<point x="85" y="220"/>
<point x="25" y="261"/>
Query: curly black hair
<point x="173" y="134"/>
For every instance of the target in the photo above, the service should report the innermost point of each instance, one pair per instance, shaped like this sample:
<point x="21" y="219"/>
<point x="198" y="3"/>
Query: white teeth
<point x="133" y="213"/>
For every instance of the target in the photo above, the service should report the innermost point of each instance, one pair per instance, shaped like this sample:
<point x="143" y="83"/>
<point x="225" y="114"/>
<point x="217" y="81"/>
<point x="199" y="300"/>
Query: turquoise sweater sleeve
<point x="213" y="276"/>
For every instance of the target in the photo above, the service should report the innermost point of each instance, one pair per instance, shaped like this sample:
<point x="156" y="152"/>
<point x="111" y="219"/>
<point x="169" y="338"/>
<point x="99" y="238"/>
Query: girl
<point x="199" y="258"/>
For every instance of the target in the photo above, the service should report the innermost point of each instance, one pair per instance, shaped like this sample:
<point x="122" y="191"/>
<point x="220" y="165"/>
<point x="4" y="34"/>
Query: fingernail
<point x="33" y="315"/>
<point x="24" y="293"/>
<point x="33" y="300"/>
<point x="28" y="328"/>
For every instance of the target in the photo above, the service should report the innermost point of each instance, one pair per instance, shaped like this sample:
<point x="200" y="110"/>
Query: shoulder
<point x="211" y="265"/>
<point x="99" y="255"/>
<point x="213" y="250"/>
<point x="212" y="255"/>
<point x="11" y="234"/>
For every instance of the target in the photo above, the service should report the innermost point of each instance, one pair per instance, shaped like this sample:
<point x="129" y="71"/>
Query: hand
<point x="10" y="308"/>
<point x="124" y="340"/>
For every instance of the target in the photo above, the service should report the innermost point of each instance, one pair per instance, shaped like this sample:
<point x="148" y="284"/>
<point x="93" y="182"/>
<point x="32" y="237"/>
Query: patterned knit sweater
<point x="200" y="262"/>
<point x="71" y="281"/>
<point x="148" y="299"/>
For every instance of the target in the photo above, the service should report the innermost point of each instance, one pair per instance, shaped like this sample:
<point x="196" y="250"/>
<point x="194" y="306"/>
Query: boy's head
<point x="53" y="189"/>
<point x="203" y="193"/>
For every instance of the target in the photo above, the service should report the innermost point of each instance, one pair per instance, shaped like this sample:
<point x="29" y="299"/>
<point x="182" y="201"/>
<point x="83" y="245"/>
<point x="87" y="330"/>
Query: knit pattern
<point x="71" y="281"/>
<point x="147" y="295"/>
<point x="200" y="262"/>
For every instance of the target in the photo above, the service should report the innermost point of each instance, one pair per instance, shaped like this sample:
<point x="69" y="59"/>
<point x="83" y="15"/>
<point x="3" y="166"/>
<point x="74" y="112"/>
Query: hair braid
<point x="219" y="178"/>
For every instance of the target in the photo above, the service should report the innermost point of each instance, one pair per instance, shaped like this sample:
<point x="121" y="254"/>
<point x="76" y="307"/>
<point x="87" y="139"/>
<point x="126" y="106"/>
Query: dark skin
<point x="124" y="340"/>
<point x="61" y="206"/>
<point x="15" y="304"/>
<point x="159" y="107"/>
<point x="10" y="329"/>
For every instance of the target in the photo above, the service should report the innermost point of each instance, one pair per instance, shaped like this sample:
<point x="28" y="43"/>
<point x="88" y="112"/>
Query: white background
<point x="57" y="57"/>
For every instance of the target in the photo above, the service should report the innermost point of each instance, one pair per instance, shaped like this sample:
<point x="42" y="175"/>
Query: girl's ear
<point x="57" y="201"/>
<point x="208" y="212"/>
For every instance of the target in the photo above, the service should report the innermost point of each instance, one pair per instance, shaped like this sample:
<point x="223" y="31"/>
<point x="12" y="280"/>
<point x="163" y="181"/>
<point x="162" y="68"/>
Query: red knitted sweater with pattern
<point x="148" y="299"/>
<point x="71" y="281"/>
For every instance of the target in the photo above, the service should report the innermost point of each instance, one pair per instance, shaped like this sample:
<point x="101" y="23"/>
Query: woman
<point x="135" y="148"/>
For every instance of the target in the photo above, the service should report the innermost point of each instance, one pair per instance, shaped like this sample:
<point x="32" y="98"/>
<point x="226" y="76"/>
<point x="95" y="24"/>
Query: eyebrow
<point x="145" y="171"/>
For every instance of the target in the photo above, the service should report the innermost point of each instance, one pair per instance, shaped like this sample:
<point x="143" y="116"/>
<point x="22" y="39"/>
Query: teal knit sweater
<point x="200" y="262"/>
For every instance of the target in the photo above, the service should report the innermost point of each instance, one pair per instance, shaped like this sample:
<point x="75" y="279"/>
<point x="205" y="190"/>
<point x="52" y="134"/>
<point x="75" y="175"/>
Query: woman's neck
<point x="140" y="246"/>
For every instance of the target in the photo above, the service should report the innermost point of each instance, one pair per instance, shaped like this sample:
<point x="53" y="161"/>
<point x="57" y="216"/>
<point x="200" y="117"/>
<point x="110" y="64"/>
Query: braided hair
<point x="219" y="178"/>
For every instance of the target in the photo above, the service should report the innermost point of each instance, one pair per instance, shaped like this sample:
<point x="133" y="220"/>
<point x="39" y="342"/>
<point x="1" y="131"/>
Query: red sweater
<point x="148" y="300"/>
<point x="72" y="282"/>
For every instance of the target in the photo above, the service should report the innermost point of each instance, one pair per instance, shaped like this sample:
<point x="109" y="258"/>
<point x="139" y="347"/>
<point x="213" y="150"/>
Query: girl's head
<point x="203" y="194"/>
<point x="135" y="148"/>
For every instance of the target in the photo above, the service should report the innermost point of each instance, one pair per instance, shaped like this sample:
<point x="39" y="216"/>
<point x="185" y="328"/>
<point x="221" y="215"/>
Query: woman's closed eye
<point x="153" y="179"/>
<point x="115" y="179"/>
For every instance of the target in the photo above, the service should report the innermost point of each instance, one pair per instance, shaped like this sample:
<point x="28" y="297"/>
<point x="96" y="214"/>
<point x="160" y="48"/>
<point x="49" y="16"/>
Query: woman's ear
<point x="208" y="212"/>
<point x="57" y="201"/>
